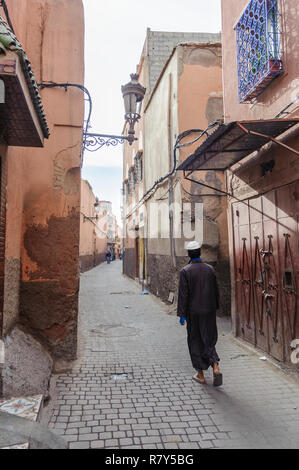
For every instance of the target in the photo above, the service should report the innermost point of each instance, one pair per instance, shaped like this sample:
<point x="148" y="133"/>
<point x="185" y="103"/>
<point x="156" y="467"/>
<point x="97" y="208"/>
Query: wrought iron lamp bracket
<point x="86" y="217"/>
<point x="94" y="142"/>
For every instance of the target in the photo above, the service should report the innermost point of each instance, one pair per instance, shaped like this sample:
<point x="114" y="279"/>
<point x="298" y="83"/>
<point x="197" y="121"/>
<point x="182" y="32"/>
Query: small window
<point x="131" y="180"/>
<point x="126" y="189"/>
<point x="138" y="167"/>
<point x="258" y="48"/>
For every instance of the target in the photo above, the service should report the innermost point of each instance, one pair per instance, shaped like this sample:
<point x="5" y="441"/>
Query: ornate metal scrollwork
<point x="94" y="142"/>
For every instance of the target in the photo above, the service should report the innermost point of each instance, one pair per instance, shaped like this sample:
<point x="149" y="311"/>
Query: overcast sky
<point x="114" y="36"/>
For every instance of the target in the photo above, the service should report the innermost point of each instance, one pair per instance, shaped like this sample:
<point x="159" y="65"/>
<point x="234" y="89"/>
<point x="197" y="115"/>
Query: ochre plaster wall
<point x="43" y="191"/>
<point x="200" y="99"/>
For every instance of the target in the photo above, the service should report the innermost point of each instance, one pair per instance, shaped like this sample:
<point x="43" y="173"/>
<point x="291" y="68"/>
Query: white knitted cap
<point x="192" y="246"/>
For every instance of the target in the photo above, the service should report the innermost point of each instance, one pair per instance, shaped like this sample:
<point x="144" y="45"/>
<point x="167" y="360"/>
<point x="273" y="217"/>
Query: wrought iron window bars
<point x="258" y="38"/>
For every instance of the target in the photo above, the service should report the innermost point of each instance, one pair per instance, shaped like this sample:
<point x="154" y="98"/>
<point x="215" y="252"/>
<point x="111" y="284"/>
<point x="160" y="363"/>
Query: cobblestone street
<point x="132" y="386"/>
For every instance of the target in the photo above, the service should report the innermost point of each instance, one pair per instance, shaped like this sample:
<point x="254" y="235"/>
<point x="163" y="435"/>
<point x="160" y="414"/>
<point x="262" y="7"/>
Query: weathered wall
<point x="283" y="89"/>
<point x="93" y="241"/>
<point x="159" y="46"/>
<point x="3" y="203"/>
<point x="131" y="197"/>
<point x="269" y="200"/>
<point x="188" y="95"/>
<point x="43" y="216"/>
<point x="200" y="98"/>
<point x="129" y="262"/>
<point x="201" y="102"/>
<point x="157" y="49"/>
<point x="184" y="90"/>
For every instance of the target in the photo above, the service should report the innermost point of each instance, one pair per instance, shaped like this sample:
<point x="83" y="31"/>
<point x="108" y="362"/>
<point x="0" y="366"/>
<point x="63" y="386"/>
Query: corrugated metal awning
<point x="231" y="142"/>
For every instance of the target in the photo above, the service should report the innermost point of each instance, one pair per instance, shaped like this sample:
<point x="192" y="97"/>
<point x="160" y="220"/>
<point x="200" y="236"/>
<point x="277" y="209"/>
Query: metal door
<point x="266" y="253"/>
<point x="272" y="288"/>
<point x="258" y="273"/>
<point x="289" y="263"/>
<point x="137" y="254"/>
<point x="243" y="264"/>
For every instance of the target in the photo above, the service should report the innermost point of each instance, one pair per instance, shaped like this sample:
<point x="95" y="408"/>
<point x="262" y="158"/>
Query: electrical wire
<point x="172" y="186"/>
<point x="201" y="195"/>
<point x="284" y="110"/>
<point x="176" y="147"/>
<point x="94" y="223"/>
<point x="88" y="99"/>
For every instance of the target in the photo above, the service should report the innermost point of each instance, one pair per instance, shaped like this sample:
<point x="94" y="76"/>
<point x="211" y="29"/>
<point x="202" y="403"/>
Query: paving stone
<point x="97" y="444"/>
<point x="85" y="430"/>
<point x="150" y="440"/>
<point x="126" y="442"/>
<point x="71" y="437"/>
<point x="79" y="445"/>
<point x="111" y="443"/>
<point x="88" y="437"/>
<point x="159" y="406"/>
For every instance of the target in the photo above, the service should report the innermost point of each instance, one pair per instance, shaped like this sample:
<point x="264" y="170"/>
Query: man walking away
<point x="108" y="257"/>
<point x="198" y="301"/>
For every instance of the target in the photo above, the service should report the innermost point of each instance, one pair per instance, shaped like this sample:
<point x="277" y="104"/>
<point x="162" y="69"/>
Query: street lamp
<point x="96" y="209"/>
<point x="133" y="94"/>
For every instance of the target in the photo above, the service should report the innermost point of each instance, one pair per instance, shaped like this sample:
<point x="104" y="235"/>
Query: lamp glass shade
<point x="130" y="103"/>
<point x="133" y="93"/>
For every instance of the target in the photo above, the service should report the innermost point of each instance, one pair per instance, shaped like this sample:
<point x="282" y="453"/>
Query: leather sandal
<point x="217" y="379"/>
<point x="198" y="380"/>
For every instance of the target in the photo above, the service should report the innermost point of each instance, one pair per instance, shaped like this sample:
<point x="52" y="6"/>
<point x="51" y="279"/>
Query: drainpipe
<point x="171" y="177"/>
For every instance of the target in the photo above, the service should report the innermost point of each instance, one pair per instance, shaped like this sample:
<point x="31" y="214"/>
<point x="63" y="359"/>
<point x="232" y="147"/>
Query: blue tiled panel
<point x="258" y="48"/>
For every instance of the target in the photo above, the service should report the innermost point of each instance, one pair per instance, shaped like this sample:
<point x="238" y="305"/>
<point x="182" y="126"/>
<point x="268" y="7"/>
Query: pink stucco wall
<point x="283" y="89"/>
<point x="43" y="185"/>
<point x="93" y="240"/>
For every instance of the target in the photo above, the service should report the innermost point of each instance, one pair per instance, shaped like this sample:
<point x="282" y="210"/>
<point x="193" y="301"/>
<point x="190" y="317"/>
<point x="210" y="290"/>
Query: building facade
<point x="93" y="238"/>
<point x="42" y="217"/>
<point x="257" y="150"/>
<point x="263" y="214"/>
<point x="108" y="223"/>
<point x="159" y="205"/>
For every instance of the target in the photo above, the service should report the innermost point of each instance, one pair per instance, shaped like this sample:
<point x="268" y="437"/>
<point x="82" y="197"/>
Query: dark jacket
<point x="198" y="290"/>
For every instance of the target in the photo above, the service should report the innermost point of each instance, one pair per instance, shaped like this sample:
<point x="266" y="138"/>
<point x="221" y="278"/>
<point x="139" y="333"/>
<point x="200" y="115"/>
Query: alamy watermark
<point x="160" y="220"/>
<point x="163" y="220"/>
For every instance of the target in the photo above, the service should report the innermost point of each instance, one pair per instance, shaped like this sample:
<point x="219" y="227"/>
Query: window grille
<point x="131" y="180"/>
<point x="138" y="167"/>
<point x="126" y="189"/>
<point x="258" y="48"/>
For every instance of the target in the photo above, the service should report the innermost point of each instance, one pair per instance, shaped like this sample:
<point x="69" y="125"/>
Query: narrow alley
<point x="131" y="386"/>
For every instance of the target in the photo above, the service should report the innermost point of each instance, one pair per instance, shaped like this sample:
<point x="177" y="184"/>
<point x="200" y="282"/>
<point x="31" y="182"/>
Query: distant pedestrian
<point x="198" y="300"/>
<point x="108" y="257"/>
